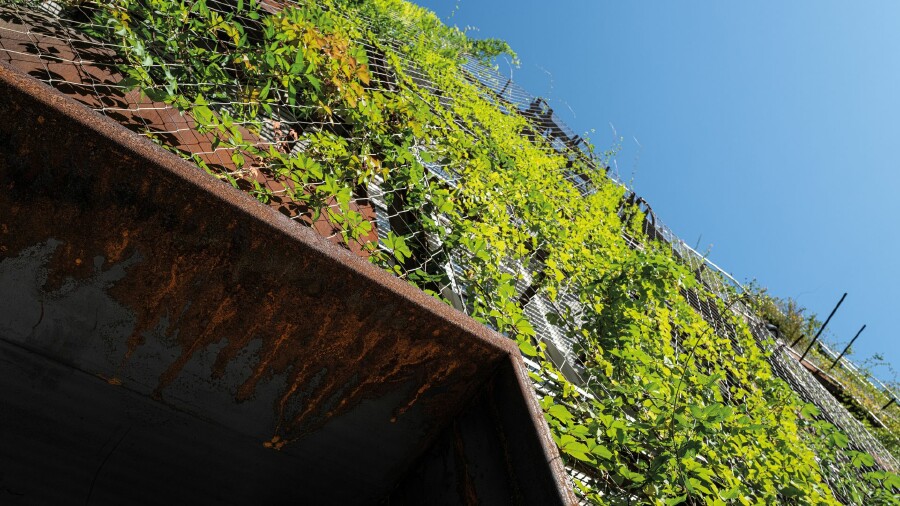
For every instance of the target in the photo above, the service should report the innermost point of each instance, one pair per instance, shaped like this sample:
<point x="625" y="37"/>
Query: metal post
<point x="847" y="348"/>
<point x="819" y="333"/>
<point x="893" y="400"/>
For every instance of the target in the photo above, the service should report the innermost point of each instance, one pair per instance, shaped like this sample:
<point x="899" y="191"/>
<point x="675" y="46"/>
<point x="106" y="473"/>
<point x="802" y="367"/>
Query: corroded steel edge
<point x="189" y="173"/>
<point x="542" y="430"/>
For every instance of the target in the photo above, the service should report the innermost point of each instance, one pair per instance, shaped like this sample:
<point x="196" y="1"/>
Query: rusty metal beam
<point x="175" y="338"/>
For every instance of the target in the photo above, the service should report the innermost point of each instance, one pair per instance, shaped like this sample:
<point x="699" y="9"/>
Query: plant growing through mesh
<point x="665" y="407"/>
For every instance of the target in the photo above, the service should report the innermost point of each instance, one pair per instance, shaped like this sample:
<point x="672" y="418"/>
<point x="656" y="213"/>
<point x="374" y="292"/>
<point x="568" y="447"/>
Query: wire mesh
<point x="52" y="42"/>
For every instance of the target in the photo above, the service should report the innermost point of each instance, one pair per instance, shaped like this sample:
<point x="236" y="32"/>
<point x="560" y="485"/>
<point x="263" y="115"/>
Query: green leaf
<point x="560" y="412"/>
<point x="397" y="244"/>
<point x="860" y="459"/>
<point x="315" y="83"/>
<point x="891" y="481"/>
<point x="792" y="491"/>
<point x="602" y="452"/>
<point x="524" y="327"/>
<point x="579" y="451"/>
<point x="673" y="501"/>
<point x="527" y="348"/>
<point x="809" y="410"/>
<point x="838" y="439"/>
<point x="299" y="64"/>
<point x="264" y="93"/>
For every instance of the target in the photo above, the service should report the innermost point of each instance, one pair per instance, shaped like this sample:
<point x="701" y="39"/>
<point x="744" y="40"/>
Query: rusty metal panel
<point x="296" y="370"/>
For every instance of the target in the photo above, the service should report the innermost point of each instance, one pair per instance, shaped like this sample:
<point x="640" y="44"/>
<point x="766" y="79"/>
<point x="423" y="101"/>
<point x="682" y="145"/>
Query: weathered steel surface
<point x="142" y="290"/>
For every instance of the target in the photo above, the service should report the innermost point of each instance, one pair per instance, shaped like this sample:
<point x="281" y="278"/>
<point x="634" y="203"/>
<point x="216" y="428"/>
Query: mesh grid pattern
<point x="48" y="41"/>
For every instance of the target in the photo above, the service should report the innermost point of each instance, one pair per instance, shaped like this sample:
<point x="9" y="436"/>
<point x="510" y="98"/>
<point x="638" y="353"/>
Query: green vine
<point x="667" y="410"/>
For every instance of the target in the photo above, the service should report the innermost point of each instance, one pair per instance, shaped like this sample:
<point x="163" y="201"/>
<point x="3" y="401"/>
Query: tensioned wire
<point x="713" y="278"/>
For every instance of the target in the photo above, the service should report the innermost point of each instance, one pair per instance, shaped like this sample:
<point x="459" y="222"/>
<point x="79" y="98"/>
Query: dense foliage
<point x="861" y="397"/>
<point x="669" y="409"/>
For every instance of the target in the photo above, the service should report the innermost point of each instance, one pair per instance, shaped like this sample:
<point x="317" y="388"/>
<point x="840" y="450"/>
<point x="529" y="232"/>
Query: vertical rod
<point x="847" y="348"/>
<point x="819" y="333"/>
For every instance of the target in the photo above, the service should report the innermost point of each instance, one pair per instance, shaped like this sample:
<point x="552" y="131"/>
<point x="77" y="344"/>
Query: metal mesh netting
<point x="51" y="41"/>
<point x="709" y="274"/>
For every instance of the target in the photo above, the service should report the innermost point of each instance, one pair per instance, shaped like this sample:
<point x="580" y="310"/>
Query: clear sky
<point x="766" y="131"/>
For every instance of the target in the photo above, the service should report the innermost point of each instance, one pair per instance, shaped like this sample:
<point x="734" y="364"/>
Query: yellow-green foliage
<point x="672" y="411"/>
<point x="797" y="325"/>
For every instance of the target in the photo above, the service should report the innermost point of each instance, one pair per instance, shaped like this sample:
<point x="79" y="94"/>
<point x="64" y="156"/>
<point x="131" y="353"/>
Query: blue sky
<point x="766" y="131"/>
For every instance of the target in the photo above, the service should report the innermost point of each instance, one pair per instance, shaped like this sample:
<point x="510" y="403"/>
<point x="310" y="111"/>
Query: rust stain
<point x="220" y="277"/>
<point x="223" y="273"/>
<point x="64" y="258"/>
<point x="112" y="380"/>
<point x="438" y="377"/>
<point x="115" y="252"/>
<point x="275" y="443"/>
<point x="218" y="301"/>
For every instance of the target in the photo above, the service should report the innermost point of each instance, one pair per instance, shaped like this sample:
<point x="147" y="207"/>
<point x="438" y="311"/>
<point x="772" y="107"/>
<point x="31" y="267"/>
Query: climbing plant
<point x="354" y="97"/>
<point x="860" y="396"/>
